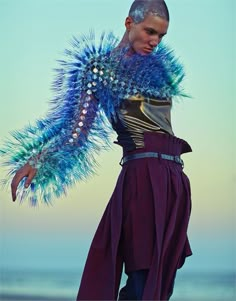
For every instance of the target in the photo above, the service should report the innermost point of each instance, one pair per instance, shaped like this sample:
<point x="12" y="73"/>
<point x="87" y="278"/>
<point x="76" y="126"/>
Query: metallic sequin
<point x="88" y="98"/>
<point x="75" y="135"/>
<point x="86" y="105"/>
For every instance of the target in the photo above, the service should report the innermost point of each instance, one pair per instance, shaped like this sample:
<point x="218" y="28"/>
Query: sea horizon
<point x="62" y="285"/>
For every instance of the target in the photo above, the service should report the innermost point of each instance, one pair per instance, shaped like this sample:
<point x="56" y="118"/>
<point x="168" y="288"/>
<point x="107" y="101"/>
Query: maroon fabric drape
<point x="144" y="225"/>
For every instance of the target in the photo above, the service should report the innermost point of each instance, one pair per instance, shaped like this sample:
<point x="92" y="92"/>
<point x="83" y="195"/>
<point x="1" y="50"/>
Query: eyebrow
<point x="154" y="31"/>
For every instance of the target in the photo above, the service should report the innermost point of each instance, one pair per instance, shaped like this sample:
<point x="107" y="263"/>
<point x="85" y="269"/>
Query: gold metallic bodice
<point x="140" y="114"/>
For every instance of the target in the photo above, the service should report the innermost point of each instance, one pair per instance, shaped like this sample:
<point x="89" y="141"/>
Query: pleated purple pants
<point x="144" y="225"/>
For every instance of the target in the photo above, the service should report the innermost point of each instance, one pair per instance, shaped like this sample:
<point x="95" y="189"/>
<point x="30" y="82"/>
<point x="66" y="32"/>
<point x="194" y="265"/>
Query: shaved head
<point x="141" y="8"/>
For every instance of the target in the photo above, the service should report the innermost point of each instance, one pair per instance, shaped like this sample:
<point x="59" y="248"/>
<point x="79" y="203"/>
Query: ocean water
<point x="62" y="285"/>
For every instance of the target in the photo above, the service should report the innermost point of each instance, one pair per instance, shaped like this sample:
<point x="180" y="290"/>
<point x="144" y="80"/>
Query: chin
<point x="145" y="52"/>
<point x="140" y="51"/>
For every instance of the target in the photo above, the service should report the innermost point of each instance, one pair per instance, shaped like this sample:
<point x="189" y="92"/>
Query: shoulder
<point x="83" y="62"/>
<point x="88" y="49"/>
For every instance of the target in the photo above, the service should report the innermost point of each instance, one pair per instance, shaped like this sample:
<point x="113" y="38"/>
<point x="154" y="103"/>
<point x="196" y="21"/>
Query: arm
<point x="60" y="149"/>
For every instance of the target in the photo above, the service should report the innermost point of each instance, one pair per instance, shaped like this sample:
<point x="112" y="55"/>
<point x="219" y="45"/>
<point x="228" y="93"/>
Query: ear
<point x="128" y="23"/>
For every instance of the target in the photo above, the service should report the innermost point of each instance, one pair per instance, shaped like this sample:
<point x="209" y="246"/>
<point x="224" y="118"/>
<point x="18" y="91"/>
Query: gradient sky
<point x="33" y="35"/>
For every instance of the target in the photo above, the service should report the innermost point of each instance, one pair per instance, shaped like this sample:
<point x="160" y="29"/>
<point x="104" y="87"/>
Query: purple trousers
<point x="144" y="226"/>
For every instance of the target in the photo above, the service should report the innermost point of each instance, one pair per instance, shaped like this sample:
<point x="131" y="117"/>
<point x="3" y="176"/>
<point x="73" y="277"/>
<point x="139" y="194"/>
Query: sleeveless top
<point x="139" y="114"/>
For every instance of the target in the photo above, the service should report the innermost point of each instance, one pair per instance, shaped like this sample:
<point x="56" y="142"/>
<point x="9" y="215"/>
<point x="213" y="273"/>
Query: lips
<point x="148" y="50"/>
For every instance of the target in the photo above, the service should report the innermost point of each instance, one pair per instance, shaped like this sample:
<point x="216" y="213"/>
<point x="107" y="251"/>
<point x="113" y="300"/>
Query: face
<point x="146" y="35"/>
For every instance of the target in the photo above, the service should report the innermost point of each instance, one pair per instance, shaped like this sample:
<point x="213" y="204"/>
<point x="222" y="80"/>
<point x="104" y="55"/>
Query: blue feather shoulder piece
<point x="90" y="84"/>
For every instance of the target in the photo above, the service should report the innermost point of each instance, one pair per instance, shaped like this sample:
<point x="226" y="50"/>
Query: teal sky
<point x="33" y="36"/>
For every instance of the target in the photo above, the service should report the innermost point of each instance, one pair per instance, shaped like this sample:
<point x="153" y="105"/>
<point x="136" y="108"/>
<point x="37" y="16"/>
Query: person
<point x="144" y="226"/>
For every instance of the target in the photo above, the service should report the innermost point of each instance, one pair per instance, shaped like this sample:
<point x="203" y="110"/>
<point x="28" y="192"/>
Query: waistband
<point x="175" y="159"/>
<point x="161" y="143"/>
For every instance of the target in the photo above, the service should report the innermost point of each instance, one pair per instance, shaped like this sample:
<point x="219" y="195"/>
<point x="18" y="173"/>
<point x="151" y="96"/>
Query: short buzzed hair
<point x="141" y="8"/>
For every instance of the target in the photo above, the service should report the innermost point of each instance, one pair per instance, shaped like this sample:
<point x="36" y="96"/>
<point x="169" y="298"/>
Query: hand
<point x="25" y="171"/>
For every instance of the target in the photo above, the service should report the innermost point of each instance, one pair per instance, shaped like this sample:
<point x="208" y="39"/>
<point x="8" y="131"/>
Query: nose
<point x="155" y="41"/>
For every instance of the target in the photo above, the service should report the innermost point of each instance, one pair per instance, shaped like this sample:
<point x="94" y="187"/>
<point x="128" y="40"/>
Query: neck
<point x="125" y="43"/>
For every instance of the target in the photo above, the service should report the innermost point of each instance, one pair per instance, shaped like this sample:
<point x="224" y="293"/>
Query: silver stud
<point x="88" y="98"/>
<point x="80" y="123"/>
<point x="75" y="135"/>
<point x="95" y="70"/>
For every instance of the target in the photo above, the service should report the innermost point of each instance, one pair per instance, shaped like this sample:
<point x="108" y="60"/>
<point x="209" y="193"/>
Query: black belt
<point x="175" y="159"/>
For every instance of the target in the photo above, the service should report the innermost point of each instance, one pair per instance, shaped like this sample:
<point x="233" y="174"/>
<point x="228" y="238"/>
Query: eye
<point x="150" y="31"/>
